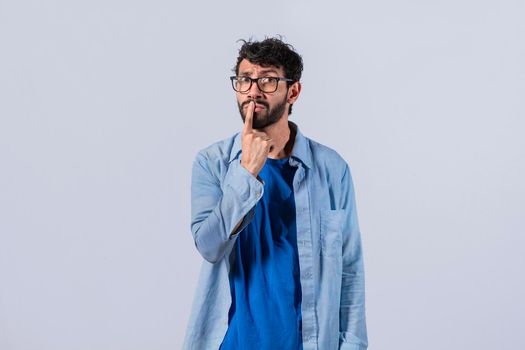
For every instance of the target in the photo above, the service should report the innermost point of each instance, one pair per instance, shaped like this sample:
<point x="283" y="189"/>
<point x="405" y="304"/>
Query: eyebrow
<point x="263" y="71"/>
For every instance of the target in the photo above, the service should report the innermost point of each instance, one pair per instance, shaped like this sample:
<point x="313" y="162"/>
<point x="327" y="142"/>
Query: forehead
<point x="251" y="69"/>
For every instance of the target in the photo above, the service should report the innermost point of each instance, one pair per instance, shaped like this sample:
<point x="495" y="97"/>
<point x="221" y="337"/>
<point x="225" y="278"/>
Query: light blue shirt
<point x="328" y="241"/>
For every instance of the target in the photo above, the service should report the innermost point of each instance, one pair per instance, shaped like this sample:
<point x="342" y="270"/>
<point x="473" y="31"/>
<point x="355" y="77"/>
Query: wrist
<point x="256" y="175"/>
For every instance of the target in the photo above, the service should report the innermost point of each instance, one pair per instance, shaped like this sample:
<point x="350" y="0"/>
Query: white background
<point x="104" y="104"/>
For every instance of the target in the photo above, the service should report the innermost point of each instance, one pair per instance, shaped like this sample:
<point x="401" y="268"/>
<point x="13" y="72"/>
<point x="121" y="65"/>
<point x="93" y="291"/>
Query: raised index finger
<point x="248" y="121"/>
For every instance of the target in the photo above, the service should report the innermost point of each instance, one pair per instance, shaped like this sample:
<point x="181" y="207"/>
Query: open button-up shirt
<point x="223" y="193"/>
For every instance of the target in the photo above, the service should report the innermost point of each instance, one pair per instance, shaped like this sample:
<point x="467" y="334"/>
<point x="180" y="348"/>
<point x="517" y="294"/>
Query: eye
<point x="267" y="80"/>
<point x="243" y="79"/>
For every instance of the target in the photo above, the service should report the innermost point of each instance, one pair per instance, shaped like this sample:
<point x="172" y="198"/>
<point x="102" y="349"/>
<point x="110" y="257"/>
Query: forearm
<point x="352" y="310"/>
<point x="217" y="219"/>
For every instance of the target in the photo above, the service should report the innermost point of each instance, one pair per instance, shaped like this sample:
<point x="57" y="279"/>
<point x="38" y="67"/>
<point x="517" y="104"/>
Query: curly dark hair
<point x="272" y="52"/>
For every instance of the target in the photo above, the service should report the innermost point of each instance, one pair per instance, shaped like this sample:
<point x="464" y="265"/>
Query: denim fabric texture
<point x="328" y="241"/>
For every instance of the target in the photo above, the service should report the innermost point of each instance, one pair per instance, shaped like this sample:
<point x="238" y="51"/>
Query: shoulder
<point x="219" y="151"/>
<point x="327" y="158"/>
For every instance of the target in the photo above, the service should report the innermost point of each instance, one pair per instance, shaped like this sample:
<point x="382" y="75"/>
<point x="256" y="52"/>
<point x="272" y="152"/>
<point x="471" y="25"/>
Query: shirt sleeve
<point x="353" y="332"/>
<point x="217" y="206"/>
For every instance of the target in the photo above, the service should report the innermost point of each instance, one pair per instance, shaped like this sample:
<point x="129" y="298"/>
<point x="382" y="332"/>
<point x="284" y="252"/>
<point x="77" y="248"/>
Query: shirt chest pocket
<point x="331" y="222"/>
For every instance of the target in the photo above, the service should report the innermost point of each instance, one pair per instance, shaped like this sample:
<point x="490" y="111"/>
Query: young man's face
<point x="269" y="107"/>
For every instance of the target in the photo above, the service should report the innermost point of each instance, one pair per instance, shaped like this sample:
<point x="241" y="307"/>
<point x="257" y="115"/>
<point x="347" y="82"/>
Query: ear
<point x="293" y="92"/>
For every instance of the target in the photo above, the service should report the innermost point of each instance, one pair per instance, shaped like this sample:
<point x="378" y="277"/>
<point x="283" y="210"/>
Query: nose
<point x="254" y="91"/>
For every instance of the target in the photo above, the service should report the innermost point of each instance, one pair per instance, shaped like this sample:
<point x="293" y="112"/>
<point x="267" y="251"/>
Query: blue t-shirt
<point x="264" y="280"/>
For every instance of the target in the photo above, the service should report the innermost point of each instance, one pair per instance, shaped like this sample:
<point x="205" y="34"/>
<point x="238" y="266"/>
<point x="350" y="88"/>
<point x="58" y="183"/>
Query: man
<point x="274" y="216"/>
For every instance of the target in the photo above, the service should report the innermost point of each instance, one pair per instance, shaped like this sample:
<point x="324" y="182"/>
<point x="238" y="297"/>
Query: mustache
<point x="260" y="102"/>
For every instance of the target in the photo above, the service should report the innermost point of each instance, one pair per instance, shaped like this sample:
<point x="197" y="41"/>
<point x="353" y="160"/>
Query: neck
<point x="283" y="137"/>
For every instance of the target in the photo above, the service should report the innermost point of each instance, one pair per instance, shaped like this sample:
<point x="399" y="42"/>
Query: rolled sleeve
<point x="216" y="209"/>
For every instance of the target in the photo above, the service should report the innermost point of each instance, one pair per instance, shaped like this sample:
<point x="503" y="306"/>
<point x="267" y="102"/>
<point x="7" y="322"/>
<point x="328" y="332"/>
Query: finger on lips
<point x="249" y="117"/>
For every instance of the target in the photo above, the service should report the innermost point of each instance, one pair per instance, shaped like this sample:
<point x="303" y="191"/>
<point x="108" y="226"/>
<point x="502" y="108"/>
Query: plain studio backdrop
<point x="104" y="104"/>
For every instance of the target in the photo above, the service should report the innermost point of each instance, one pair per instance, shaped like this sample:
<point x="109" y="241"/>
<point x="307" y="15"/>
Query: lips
<point x="257" y="105"/>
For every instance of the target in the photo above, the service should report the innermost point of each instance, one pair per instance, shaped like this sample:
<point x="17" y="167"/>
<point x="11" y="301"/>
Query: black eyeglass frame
<point x="256" y="80"/>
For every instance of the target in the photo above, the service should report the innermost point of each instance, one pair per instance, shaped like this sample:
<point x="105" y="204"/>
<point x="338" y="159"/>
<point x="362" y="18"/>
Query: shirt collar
<point x="301" y="149"/>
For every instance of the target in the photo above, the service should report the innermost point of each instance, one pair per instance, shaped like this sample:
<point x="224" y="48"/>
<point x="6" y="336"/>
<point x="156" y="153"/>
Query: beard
<point x="267" y="116"/>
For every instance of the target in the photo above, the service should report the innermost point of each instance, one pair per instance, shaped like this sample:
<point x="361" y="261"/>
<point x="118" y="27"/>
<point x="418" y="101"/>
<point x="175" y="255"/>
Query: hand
<point x="255" y="144"/>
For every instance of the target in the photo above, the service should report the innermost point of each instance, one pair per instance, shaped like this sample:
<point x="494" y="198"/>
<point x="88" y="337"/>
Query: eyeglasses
<point x="265" y="84"/>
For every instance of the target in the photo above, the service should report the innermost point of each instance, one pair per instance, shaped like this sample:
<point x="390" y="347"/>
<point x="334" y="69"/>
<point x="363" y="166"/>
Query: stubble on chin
<point x="258" y="120"/>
